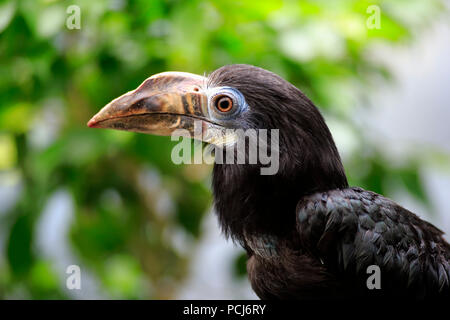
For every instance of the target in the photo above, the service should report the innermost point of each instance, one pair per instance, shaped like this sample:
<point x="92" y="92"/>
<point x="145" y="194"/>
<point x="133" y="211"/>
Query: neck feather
<point x="247" y="202"/>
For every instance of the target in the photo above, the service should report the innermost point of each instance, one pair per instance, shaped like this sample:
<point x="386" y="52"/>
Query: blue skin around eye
<point x="240" y="105"/>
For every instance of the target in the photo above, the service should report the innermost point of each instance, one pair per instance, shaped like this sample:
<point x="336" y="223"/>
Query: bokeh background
<point x="114" y="204"/>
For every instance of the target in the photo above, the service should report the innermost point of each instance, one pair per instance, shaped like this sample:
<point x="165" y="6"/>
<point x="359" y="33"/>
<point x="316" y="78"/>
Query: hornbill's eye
<point x="223" y="103"/>
<point x="226" y="103"/>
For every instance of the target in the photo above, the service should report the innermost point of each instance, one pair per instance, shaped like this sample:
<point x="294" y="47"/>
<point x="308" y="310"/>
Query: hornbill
<point x="307" y="234"/>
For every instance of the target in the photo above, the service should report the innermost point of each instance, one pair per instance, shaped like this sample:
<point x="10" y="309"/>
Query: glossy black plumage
<point x="307" y="234"/>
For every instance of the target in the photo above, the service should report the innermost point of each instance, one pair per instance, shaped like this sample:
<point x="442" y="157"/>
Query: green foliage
<point x="52" y="80"/>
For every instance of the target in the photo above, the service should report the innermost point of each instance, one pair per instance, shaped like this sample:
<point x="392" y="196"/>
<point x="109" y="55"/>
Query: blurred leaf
<point x="8" y="154"/>
<point x="413" y="183"/>
<point x="16" y="118"/>
<point x="124" y="277"/>
<point x="7" y="10"/>
<point x="240" y="265"/>
<point x="19" y="251"/>
<point x="43" y="280"/>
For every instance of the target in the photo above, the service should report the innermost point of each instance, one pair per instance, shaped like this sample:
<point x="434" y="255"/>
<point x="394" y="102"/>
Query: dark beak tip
<point x="92" y="124"/>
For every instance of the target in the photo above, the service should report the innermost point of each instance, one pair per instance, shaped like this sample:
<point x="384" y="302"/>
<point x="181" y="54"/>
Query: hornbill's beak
<point x="161" y="104"/>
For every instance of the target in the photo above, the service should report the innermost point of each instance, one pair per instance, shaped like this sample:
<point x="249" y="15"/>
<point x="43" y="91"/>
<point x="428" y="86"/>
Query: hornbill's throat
<point x="162" y="104"/>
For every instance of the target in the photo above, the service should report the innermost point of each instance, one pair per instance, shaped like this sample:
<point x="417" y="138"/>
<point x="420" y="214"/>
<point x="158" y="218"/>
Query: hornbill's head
<point x="237" y="97"/>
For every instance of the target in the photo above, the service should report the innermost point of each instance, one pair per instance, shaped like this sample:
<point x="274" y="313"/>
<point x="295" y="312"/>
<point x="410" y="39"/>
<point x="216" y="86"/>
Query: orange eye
<point x="224" y="104"/>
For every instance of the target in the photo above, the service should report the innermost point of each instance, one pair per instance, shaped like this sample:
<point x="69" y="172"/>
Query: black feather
<point x="307" y="234"/>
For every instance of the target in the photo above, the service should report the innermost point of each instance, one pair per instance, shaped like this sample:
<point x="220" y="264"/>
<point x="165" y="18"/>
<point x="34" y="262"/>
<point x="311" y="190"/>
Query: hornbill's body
<point x="306" y="232"/>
